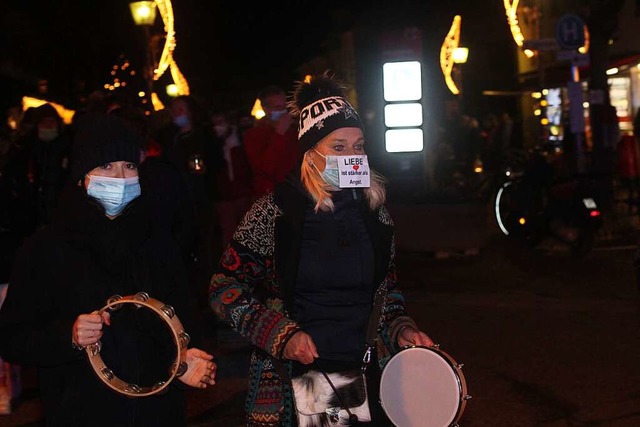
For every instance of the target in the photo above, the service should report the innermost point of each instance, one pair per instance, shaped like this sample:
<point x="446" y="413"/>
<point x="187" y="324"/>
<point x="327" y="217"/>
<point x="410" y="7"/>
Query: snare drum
<point x="423" y="387"/>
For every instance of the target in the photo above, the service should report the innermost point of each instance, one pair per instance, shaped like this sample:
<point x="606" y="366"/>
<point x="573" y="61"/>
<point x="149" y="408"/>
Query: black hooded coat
<point x="72" y="267"/>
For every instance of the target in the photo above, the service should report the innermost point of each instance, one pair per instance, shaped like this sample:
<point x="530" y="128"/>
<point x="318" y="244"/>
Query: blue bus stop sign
<point x="570" y="32"/>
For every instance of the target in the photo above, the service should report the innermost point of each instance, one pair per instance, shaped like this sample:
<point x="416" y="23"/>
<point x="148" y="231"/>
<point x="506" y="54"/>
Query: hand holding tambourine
<point x="192" y="366"/>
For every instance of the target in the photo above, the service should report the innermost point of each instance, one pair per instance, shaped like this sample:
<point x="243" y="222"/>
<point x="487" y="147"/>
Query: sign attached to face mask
<point x="354" y="171"/>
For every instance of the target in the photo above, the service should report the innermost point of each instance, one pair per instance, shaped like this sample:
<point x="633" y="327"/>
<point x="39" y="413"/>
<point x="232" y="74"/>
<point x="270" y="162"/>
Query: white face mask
<point x="114" y="194"/>
<point x="346" y="171"/>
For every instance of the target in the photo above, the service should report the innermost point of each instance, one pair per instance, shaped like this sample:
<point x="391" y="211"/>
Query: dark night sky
<point x="223" y="45"/>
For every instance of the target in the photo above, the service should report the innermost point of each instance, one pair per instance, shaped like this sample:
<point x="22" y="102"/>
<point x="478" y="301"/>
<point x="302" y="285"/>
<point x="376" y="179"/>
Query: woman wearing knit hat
<point x="301" y="274"/>
<point x="101" y="243"/>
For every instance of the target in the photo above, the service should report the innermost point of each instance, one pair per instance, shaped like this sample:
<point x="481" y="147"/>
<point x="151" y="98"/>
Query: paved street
<point x="547" y="339"/>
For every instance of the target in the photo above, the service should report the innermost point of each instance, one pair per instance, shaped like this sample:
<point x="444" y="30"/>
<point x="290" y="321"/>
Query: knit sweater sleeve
<point x="394" y="316"/>
<point x="245" y="271"/>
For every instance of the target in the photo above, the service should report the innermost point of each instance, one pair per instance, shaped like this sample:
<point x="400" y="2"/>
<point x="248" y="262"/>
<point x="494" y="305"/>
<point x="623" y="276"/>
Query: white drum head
<point x="420" y="388"/>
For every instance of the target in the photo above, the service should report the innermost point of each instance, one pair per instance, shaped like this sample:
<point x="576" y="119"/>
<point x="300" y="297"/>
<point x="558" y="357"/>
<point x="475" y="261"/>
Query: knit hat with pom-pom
<point x="321" y="107"/>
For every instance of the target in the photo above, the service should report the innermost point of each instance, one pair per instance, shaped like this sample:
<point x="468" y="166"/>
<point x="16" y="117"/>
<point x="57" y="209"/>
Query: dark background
<point x="228" y="50"/>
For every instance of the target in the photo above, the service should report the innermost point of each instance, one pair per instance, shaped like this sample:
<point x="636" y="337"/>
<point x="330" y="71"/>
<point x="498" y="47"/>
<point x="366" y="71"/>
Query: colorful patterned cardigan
<point x="252" y="289"/>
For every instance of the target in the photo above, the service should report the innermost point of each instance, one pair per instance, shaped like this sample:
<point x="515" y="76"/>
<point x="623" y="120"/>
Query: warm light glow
<point x="511" y="9"/>
<point x="585" y="48"/>
<point x="537" y="112"/>
<point x="143" y="12"/>
<point x="612" y="71"/>
<point x="536" y="95"/>
<point x="66" y="114"/>
<point x="141" y="94"/>
<point x="166" y="12"/>
<point x="544" y="103"/>
<point x="460" y="55"/>
<point x="172" y="90"/>
<point x="449" y="44"/>
<point x="257" y="110"/>
<point x="477" y="165"/>
<point x="522" y="221"/>
<point x="155" y="101"/>
<point x="544" y="121"/>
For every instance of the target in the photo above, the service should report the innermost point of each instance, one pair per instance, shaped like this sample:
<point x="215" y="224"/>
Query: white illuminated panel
<point x="402" y="81"/>
<point x="399" y="115"/>
<point x="403" y="140"/>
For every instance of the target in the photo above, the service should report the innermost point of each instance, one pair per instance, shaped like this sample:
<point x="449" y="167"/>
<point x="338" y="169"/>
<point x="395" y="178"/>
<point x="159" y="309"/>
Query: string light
<point x="65" y="113"/>
<point x="511" y="9"/>
<point x="166" y="58"/>
<point x="449" y="44"/>
<point x="587" y="41"/>
<point x="119" y="74"/>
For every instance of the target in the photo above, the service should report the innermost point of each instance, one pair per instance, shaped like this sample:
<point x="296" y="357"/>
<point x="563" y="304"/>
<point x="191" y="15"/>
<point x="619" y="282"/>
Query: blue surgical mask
<point x="114" y="194"/>
<point x="330" y="174"/>
<point x="181" y="121"/>
<point x="275" y="115"/>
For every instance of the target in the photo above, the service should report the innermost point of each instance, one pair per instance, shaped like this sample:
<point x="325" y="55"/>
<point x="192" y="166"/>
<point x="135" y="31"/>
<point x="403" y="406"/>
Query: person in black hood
<point x="101" y="243"/>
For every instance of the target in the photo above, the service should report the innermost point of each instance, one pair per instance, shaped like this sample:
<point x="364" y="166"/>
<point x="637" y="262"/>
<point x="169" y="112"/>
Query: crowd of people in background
<point x="466" y="145"/>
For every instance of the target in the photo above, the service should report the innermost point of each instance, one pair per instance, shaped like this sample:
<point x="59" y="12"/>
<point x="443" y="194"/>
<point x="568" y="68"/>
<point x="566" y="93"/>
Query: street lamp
<point x="143" y="12"/>
<point x="144" y="15"/>
<point x="459" y="57"/>
<point x="173" y="90"/>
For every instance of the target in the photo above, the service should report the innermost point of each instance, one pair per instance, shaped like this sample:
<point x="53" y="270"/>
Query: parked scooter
<point x="537" y="202"/>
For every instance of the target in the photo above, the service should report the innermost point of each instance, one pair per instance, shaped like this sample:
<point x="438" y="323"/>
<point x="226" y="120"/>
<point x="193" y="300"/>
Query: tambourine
<point x="180" y="338"/>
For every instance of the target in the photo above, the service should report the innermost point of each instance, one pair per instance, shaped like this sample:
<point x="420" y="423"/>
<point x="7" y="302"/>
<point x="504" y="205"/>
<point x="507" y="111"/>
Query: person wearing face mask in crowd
<point x="271" y="145"/>
<point x="188" y="143"/>
<point x="47" y="146"/>
<point x="101" y="242"/>
<point x="307" y="260"/>
<point x="233" y="181"/>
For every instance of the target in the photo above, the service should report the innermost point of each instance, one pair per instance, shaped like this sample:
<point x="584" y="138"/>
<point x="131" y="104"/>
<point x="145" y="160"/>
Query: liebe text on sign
<point x="354" y="171"/>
